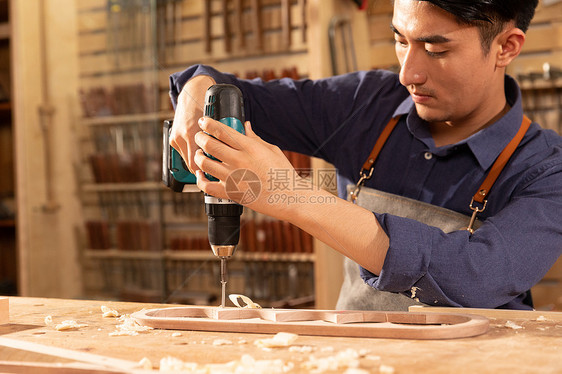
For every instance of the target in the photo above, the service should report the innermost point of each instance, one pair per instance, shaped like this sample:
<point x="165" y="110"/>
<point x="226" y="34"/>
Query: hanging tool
<point x="256" y="23"/>
<point x="223" y="102"/>
<point x="342" y="26"/>
<point x="302" y="7"/>
<point x="226" y="26"/>
<point x="207" y="21"/>
<point x="239" y="24"/>
<point x="286" y="23"/>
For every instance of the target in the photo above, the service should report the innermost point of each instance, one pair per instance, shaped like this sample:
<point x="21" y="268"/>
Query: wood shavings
<point x="69" y="325"/>
<point x="512" y="325"/>
<point x="129" y="327"/>
<point x="347" y="359"/>
<point x="218" y="342"/>
<point x="145" y="364"/>
<point x="356" y="371"/>
<point x="248" y="303"/>
<point x="176" y="334"/>
<point x="386" y="369"/>
<point x="280" y="340"/>
<point x="302" y="348"/>
<point x="246" y="364"/>
<point x="171" y="364"/>
<point x="541" y="319"/>
<point x="109" y="313"/>
<point x="64" y="325"/>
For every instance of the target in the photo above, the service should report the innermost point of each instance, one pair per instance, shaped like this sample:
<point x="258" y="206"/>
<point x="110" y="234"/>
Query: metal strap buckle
<point x="475" y="211"/>
<point x="362" y="178"/>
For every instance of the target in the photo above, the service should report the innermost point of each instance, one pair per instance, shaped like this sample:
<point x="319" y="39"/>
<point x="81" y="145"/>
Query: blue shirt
<point x="339" y="119"/>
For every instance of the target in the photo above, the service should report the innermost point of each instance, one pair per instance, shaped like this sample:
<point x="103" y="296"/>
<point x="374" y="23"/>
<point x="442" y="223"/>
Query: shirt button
<point x="428" y="155"/>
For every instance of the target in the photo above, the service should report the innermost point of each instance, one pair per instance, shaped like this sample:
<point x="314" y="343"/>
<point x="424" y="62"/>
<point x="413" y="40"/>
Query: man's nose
<point x="412" y="70"/>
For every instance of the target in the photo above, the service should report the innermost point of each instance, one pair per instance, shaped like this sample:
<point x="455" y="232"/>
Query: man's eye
<point x="401" y="43"/>
<point x="435" y="54"/>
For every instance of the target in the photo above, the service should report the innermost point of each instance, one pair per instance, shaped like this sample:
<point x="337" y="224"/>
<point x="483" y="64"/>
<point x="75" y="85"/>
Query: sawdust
<point x="218" y="342"/>
<point x="109" y="313"/>
<point x="512" y="325"/>
<point x="346" y="359"/>
<point x="386" y="369"/>
<point x="246" y="364"/>
<point x="64" y="325"/>
<point x="145" y="364"/>
<point x="280" y="340"/>
<point x="129" y="327"/>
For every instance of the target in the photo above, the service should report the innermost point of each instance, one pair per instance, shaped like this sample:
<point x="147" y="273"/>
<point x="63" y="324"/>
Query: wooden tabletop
<point x="535" y="347"/>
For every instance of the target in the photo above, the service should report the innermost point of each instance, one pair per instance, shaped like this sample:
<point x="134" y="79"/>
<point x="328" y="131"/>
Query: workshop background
<point x="83" y="93"/>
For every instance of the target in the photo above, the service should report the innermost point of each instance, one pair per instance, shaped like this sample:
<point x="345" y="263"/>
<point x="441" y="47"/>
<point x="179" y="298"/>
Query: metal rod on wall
<point x="46" y="112"/>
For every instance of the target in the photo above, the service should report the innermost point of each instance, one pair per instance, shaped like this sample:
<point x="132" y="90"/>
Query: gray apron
<point x="355" y="294"/>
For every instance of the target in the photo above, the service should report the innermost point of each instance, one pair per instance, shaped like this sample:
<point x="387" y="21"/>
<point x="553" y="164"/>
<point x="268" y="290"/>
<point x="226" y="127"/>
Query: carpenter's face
<point x="442" y="62"/>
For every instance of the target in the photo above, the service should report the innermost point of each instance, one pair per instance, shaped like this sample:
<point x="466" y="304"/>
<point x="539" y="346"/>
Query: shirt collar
<point x="486" y="144"/>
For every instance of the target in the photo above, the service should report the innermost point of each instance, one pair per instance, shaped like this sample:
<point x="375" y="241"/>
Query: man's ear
<point x="509" y="44"/>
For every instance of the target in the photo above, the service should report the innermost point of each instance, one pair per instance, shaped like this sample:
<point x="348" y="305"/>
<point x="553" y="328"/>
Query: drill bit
<point x="224" y="279"/>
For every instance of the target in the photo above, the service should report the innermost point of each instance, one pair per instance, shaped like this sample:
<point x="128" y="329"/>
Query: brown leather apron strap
<point x="380" y="143"/>
<point x="501" y="161"/>
<point x="485" y="187"/>
<point x="368" y="167"/>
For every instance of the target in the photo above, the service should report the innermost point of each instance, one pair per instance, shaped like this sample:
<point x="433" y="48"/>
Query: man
<point x="456" y="111"/>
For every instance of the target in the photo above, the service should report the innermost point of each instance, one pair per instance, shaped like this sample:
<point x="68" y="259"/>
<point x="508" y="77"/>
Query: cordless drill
<point x="223" y="102"/>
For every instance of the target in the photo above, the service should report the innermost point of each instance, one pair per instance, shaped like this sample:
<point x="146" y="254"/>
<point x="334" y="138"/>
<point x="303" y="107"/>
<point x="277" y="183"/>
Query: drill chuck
<point x="224" y="226"/>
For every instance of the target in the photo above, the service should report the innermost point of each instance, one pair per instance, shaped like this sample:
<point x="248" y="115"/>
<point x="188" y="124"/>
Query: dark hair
<point x="490" y="16"/>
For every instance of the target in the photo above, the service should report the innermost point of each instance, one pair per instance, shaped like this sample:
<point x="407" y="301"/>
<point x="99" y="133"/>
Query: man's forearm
<point x="345" y="227"/>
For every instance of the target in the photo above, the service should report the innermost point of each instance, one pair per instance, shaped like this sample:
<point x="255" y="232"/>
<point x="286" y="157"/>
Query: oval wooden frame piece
<point x="364" y="324"/>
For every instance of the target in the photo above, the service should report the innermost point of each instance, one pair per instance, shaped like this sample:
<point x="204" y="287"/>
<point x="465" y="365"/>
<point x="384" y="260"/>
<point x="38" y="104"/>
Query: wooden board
<point x="4" y="310"/>
<point x="491" y="313"/>
<point x="316" y="322"/>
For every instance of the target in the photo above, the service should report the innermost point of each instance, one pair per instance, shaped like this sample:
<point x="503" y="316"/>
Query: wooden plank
<point x="100" y="361"/>
<point x="380" y="7"/>
<point x="547" y="294"/>
<point x="490" y="313"/>
<point x="526" y="63"/>
<point x="544" y="38"/>
<point x="91" y="22"/>
<point x="396" y="325"/>
<point x="383" y="55"/>
<point x="86" y="5"/>
<point x="4" y="310"/>
<point x="379" y="28"/>
<point x="555" y="271"/>
<point x="48" y="368"/>
<point x="548" y="13"/>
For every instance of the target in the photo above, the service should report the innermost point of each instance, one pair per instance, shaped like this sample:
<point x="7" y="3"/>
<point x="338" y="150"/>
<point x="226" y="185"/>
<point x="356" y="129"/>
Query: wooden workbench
<point x="536" y="347"/>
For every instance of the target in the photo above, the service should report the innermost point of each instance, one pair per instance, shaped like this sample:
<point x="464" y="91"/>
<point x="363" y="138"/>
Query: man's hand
<point x="347" y="228"/>
<point x="238" y="152"/>
<point x="189" y="108"/>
